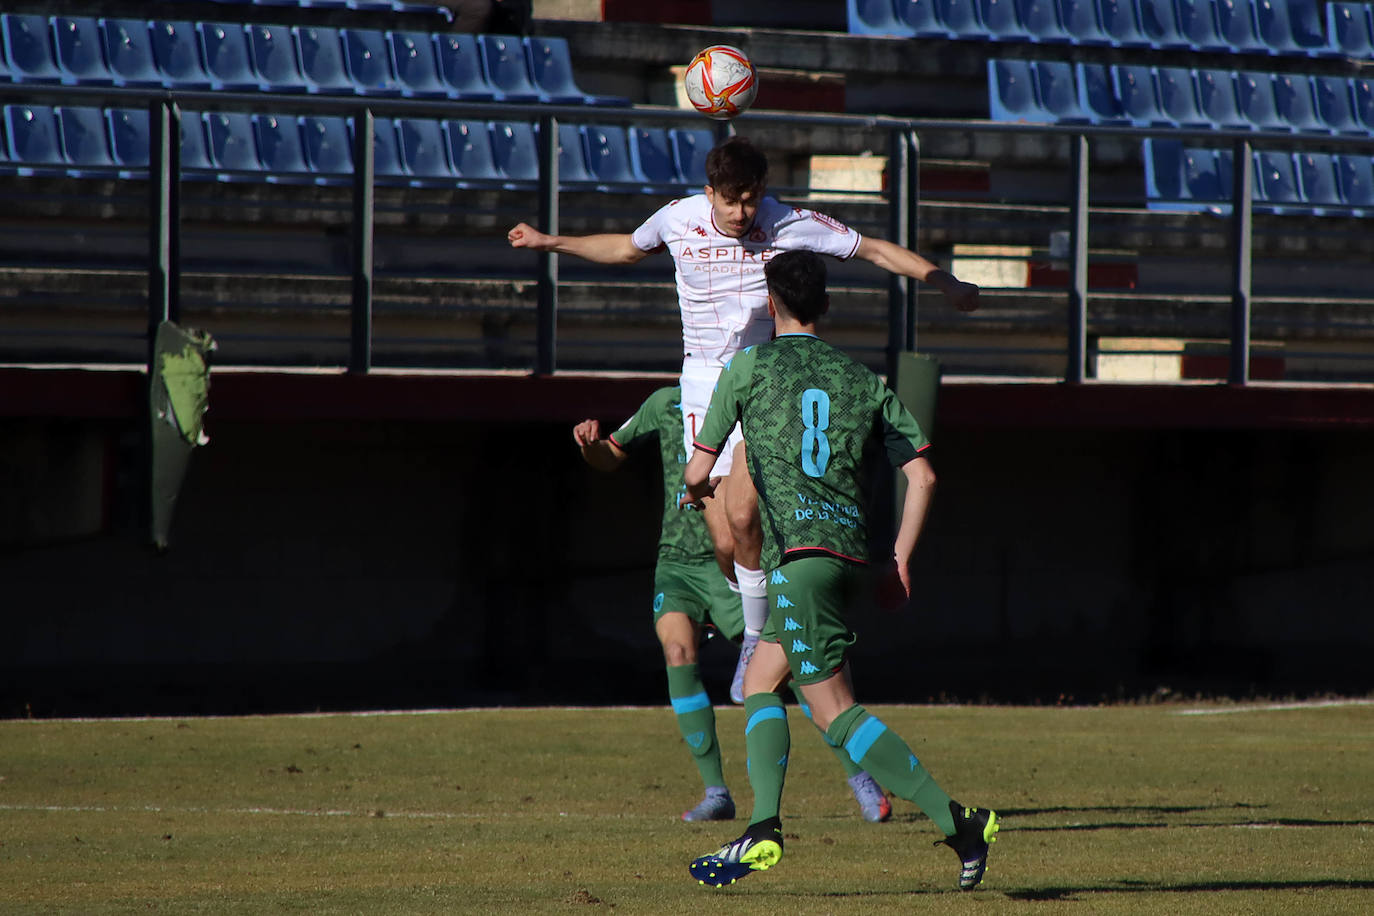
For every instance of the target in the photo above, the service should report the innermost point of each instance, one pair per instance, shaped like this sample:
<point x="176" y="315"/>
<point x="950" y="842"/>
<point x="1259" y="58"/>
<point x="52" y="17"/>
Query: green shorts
<point x="807" y="603"/>
<point x="701" y="591"/>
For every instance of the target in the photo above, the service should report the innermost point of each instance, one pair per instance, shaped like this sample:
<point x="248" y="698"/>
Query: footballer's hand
<point x="894" y="586"/>
<point x="526" y="236"/>
<point x="963" y="296"/>
<point x="695" y="496"/>
<point x="587" y="432"/>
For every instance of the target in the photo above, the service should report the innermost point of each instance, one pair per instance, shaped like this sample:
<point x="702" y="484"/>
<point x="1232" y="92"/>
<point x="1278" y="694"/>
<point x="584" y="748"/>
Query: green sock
<point x="768" y="742"/>
<point x="886" y="757"/>
<point x="851" y="768"/>
<point x="696" y="719"/>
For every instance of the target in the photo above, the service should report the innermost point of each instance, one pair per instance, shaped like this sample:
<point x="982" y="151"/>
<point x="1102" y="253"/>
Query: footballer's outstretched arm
<point x="899" y="260"/>
<point x="603" y="248"/>
<point x="920" y="488"/>
<point x="602" y="454"/>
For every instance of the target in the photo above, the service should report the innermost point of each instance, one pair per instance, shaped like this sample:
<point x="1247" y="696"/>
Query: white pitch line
<point x="280" y="812"/>
<point x="1273" y="707"/>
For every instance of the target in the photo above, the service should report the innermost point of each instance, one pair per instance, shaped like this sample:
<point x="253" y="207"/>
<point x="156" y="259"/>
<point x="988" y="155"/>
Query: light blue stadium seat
<point x="1355" y="173"/>
<point x="387" y="167"/>
<point x="130" y="141"/>
<point x="85" y="141"/>
<point x="513" y="150"/>
<point x="320" y="51"/>
<point x="1216" y="98"/>
<point x="1296" y="103"/>
<point x="78" y="51"/>
<point x="35" y="140"/>
<point x="1255" y="100"/>
<point x="1011" y="92"/>
<point x="690" y="146"/>
<point x="367" y="61"/>
<point x="572" y="156"/>
<point x="1183" y="178"/>
<point x="1178" y="100"/>
<point x="469" y="144"/>
<point x="1097" y="95"/>
<point x="176" y="52"/>
<point x="275" y="59"/>
<point x="1082" y="22"/>
<point x="416" y="64"/>
<point x="1040" y="19"/>
<point x="1362" y="89"/>
<point x="460" y="67"/>
<point x="1291" y="27"/>
<point x="608" y="155"/>
<point x="1057" y="89"/>
<point x="1121" y="23"/>
<point x="280" y="148"/>
<point x="1349" y="30"/>
<point x="424" y="151"/>
<point x="228" y="61"/>
<point x="962" y="18"/>
<point x="921" y="18"/>
<point x="651" y="154"/>
<point x="1235" y="21"/>
<point x="29" y="49"/>
<point x="1276" y="183"/>
<point x="328" y="144"/>
<point x="503" y="62"/>
<point x="128" y="47"/>
<point x="233" y="145"/>
<point x="1336" y="104"/>
<point x="195" y="150"/>
<point x="550" y="64"/>
<point x="875" y="17"/>
<point x="1197" y="22"/>
<point x="1138" y="95"/>
<point x="1318" y="183"/>
<point x="1002" y="20"/>
<point x="1159" y="23"/>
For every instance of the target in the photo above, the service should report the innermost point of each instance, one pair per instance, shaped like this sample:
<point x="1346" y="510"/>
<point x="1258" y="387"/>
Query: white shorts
<point x="697" y="386"/>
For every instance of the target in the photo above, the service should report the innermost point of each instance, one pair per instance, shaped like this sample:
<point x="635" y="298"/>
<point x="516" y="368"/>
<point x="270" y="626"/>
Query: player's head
<point x="796" y="285"/>
<point x="736" y="176"/>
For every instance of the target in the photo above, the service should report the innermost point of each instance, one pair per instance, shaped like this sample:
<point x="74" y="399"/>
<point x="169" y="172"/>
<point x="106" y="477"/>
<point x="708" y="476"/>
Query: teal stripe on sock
<point x="863" y="738"/>
<point x="683" y="705"/>
<point x="768" y="712"/>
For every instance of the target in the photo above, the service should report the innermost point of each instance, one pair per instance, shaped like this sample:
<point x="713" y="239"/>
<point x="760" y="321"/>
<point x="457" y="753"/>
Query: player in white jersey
<point x="719" y="241"/>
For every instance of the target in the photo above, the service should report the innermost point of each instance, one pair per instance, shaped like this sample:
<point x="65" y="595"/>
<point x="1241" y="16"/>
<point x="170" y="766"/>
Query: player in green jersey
<point x="691" y="594"/>
<point x="808" y="412"/>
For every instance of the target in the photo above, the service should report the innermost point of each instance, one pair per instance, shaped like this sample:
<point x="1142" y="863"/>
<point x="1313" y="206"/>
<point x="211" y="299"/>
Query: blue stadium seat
<point x="1355" y="173"/>
<point x="1349" y="30"/>
<point x="328" y="148"/>
<point x="1139" y="98"/>
<point x="460" y="66"/>
<point x="274" y="58"/>
<point x="1159" y="24"/>
<point x="233" y="145"/>
<point x="513" y="150"/>
<point x="424" y="151"/>
<point x="608" y="155"/>
<point x="1317" y="181"/>
<point x="469" y="143"/>
<point x="651" y="153"/>
<point x="368" y="62"/>
<point x="176" y="52"/>
<point x="1276" y="183"/>
<point x="1082" y="22"/>
<point x="129" y="52"/>
<point x="1197" y="23"/>
<point x="1058" y="90"/>
<point x="29" y="49"/>
<point x="1040" y="19"/>
<point x="690" y="146"/>
<point x="1011" y="92"/>
<point x="320" y="51"/>
<point x="550" y="65"/>
<point x="85" y="141"/>
<point x="1291" y="27"/>
<point x="280" y="148"/>
<point x="920" y="18"/>
<point x="1296" y="103"/>
<point x="1362" y="89"/>
<point x="387" y="167"/>
<point x="1336" y="104"/>
<point x="228" y="62"/>
<point x="962" y="18"/>
<point x="1002" y="20"/>
<point x="1177" y="88"/>
<point x="1235" y="21"/>
<point x="1255" y="101"/>
<point x="130" y="141"/>
<point x="503" y="61"/>
<point x="416" y="65"/>
<point x="35" y="142"/>
<point x="572" y="156"/>
<point x="1179" y="178"/>
<point x="78" y="51"/>
<point x="875" y="17"/>
<point x="1216" y="98"/>
<point x="195" y="151"/>
<point x="1121" y="23"/>
<point x="1097" y="95"/>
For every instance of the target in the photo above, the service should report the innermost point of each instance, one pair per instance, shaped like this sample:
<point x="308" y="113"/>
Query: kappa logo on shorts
<point x="779" y="578"/>
<point x="799" y="646"/>
<point x="783" y="602"/>
<point x="808" y="668"/>
<point x="790" y="624"/>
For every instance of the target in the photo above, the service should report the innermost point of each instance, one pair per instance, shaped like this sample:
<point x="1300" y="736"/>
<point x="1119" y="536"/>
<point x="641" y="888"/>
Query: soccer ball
<point x="721" y="82"/>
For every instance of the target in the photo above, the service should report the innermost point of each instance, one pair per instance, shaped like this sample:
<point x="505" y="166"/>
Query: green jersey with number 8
<point x="808" y="412"/>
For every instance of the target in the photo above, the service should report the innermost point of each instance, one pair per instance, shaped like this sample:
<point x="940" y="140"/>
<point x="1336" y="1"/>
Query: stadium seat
<point x="690" y="146"/>
<point x="176" y="52"/>
<point x="386" y="152"/>
<point x="1002" y="20"/>
<point x="1335" y="105"/>
<point x="1255" y="101"/>
<point x="424" y="151"/>
<point x="1179" y="178"/>
<point x="1197" y="23"/>
<point x="1317" y="181"/>
<point x="328" y="144"/>
<point x="130" y="142"/>
<point x="85" y="141"/>
<point x="651" y="154"/>
<point x="78" y="51"/>
<point x="29" y="49"/>
<point x="1178" y="101"/>
<point x="1362" y="90"/>
<point x="35" y="143"/>
<point x="572" y="156"/>
<point x="1276" y="182"/>
<point x="416" y="64"/>
<point x="608" y="155"/>
<point x="367" y="62"/>
<point x="280" y="148"/>
<point x="129" y="52"/>
<point x="1235" y="20"/>
<point x="1292" y="27"/>
<point x="875" y="17"/>
<point x="469" y="144"/>
<point x="962" y="18"/>
<point x="1355" y="175"/>
<point x="1011" y="92"/>
<point x="228" y="62"/>
<point x="1097" y="95"/>
<point x="503" y="61"/>
<point x="1082" y="22"/>
<point x="1057" y="90"/>
<point x="320" y="51"/>
<point x="195" y="151"/>
<point x="550" y="65"/>
<point x="233" y="147"/>
<point x="1135" y="90"/>
<point x="1040" y="19"/>
<point x="460" y="66"/>
<point x="920" y="18"/>
<point x="274" y="58"/>
<point x="1121" y="23"/>
<point x="1216" y="98"/>
<point x="1349" y="30"/>
<point x="513" y="150"/>
<point x="1295" y="102"/>
<point x="1159" y="24"/>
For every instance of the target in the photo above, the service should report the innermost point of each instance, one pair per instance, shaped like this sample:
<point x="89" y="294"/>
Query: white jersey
<point x="720" y="283"/>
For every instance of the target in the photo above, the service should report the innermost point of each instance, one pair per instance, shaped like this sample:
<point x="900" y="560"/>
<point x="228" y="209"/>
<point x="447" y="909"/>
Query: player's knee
<point x="677" y="653"/>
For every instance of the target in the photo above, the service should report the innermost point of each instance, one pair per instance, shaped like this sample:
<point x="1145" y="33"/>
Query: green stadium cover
<point x="179" y="393"/>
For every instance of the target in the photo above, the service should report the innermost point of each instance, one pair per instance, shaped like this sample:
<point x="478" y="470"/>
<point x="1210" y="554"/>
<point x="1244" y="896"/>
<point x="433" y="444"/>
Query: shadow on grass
<point x="1045" y="894"/>
<point x="1244" y="817"/>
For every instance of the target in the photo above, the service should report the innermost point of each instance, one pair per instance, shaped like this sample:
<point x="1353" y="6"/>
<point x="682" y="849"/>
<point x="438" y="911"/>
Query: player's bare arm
<point x="602" y="248"/>
<point x="920" y="489"/>
<point x="899" y="260"/>
<point x="602" y="454"/>
<point x="697" y="476"/>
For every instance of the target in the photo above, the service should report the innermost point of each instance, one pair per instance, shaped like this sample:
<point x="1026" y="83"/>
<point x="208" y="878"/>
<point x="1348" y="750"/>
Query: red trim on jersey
<point x="611" y="437"/>
<point x="705" y="448"/>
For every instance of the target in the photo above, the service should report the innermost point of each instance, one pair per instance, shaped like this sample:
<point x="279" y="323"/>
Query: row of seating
<point x="93" y="142"/>
<point x="366" y="6"/>
<point x="178" y="54"/>
<point x="1060" y="92"/>
<point x="1183" y="177"/>
<point x="1277" y="27"/>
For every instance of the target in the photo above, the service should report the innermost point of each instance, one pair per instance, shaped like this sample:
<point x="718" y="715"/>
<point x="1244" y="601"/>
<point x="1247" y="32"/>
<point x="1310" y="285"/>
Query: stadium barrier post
<point x="1242" y="185"/>
<point x="546" y="319"/>
<point x="899" y="179"/>
<point x="364" y="202"/>
<point x="1078" y="266"/>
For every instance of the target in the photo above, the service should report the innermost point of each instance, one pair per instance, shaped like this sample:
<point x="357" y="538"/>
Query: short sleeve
<point x="808" y="230"/>
<point x="652" y="233"/>
<point x="643" y="425"/>
<point x="727" y="401"/>
<point x="901" y="433"/>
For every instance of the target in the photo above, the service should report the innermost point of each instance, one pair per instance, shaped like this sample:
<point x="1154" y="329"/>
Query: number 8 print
<point x="815" y="447"/>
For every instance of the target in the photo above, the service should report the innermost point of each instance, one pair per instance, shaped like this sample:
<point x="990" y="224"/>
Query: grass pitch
<point x="1125" y="809"/>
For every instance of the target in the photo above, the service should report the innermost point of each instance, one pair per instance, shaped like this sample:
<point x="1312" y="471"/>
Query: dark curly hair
<point x="796" y="280"/>
<point x="736" y="166"/>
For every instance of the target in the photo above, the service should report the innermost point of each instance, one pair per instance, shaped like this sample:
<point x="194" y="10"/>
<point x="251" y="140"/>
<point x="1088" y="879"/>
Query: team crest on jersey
<point x="830" y="223"/>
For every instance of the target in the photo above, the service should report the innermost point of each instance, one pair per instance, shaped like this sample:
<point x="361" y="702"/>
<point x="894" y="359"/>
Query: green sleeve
<point x="644" y="424"/>
<point x="727" y="401"/>
<point x="902" y="435"/>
